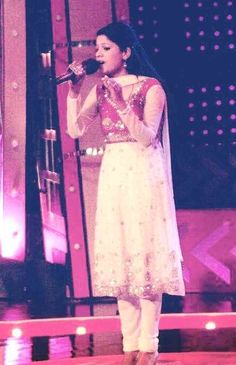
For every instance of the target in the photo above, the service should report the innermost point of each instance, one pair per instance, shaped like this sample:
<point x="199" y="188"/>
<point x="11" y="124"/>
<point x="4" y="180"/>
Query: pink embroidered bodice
<point x="146" y="122"/>
<point x="112" y="125"/>
<point x="142" y="122"/>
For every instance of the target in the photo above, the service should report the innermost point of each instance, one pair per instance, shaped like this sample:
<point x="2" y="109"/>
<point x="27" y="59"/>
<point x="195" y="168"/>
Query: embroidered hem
<point x="173" y="288"/>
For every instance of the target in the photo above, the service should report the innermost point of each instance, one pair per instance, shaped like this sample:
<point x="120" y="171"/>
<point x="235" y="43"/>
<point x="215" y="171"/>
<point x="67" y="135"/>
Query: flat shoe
<point x="147" y="358"/>
<point x="130" y="358"/>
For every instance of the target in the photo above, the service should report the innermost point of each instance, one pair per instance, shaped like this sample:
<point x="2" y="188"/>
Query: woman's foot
<point x="130" y="358"/>
<point x="147" y="358"/>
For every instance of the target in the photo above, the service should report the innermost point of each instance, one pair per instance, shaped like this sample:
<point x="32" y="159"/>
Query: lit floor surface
<point x="192" y="358"/>
<point x="49" y="341"/>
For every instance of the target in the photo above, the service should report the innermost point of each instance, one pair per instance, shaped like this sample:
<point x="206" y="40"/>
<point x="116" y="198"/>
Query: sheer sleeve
<point x="81" y="115"/>
<point x="145" y="131"/>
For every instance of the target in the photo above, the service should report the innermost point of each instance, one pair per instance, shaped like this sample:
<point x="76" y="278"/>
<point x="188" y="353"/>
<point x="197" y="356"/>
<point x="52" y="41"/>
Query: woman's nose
<point x="98" y="53"/>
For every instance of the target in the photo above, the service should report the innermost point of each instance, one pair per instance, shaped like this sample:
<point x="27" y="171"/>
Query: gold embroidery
<point x="172" y="283"/>
<point x="115" y="138"/>
<point x="120" y="133"/>
<point x="107" y="123"/>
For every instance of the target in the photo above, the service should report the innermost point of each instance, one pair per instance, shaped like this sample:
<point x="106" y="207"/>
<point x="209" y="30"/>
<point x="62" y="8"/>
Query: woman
<point x="137" y="251"/>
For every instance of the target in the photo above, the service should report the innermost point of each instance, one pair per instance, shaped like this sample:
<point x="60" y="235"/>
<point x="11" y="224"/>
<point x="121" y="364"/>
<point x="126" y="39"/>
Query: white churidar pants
<point x="140" y="323"/>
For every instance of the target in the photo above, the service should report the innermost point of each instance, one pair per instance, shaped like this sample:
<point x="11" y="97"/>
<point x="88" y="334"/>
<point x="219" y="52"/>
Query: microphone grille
<point x="90" y="65"/>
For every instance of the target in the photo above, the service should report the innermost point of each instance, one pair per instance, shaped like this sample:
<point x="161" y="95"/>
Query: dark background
<point x="204" y="162"/>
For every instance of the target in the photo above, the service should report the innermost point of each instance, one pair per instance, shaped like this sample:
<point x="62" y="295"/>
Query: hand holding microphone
<point x="75" y="78"/>
<point x="76" y="71"/>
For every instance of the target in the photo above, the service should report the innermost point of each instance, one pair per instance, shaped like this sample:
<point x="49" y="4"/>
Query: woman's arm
<point x="145" y="131"/>
<point x="80" y="116"/>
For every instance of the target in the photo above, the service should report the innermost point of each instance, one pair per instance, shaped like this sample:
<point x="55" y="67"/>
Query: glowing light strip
<point x="82" y="325"/>
<point x="1" y="176"/>
<point x="81" y="43"/>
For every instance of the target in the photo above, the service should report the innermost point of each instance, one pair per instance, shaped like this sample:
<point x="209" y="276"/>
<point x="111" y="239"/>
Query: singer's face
<point x="110" y="56"/>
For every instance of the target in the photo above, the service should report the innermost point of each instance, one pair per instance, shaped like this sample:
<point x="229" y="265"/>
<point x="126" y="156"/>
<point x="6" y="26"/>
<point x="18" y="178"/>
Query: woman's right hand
<point x="75" y="85"/>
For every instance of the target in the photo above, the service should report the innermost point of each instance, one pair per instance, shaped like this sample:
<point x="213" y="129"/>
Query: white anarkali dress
<point x="136" y="249"/>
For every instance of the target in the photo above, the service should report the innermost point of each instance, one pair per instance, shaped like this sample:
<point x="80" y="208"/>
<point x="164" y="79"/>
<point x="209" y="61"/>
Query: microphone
<point x="90" y="66"/>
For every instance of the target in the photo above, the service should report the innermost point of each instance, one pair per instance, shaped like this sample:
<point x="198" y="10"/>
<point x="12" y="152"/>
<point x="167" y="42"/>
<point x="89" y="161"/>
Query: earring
<point x="124" y="64"/>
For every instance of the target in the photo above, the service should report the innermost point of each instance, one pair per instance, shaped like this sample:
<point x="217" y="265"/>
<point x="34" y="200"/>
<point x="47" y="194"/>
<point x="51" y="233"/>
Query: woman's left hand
<point x="114" y="91"/>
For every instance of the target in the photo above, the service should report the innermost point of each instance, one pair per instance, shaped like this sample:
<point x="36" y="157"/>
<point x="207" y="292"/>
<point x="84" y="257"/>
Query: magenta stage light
<point x="190" y="90"/>
<point x="229" y="17"/>
<point x="12" y="237"/>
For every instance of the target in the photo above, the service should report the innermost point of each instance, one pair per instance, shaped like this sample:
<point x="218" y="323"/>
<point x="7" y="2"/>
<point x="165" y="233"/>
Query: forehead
<point x="102" y="39"/>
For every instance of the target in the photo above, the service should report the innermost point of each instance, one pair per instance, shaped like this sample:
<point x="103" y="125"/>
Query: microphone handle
<point x="69" y="75"/>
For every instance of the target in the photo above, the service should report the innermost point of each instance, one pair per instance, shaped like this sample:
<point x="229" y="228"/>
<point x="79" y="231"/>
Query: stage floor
<point x="190" y="358"/>
<point x="57" y="341"/>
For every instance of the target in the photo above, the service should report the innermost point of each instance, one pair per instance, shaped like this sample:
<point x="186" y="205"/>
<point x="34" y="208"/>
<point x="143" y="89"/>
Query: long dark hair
<point x="138" y="63"/>
<point x="125" y="37"/>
